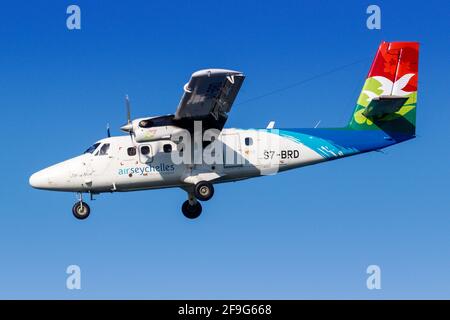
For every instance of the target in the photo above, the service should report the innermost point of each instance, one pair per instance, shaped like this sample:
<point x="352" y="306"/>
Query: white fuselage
<point x="236" y="154"/>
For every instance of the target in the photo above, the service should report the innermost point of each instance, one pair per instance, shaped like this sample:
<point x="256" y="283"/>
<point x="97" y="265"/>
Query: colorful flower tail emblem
<point x="393" y="73"/>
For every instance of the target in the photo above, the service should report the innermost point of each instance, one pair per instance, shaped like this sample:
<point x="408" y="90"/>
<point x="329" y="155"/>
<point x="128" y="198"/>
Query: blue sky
<point x="308" y="233"/>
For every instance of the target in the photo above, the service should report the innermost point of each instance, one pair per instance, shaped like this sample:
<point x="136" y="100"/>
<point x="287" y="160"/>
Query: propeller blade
<point x="128" y="106"/>
<point x="129" y="126"/>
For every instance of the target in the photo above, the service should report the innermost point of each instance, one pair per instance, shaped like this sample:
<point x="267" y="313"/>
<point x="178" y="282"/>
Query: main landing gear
<point x="191" y="208"/>
<point x="81" y="209"/>
<point x="202" y="191"/>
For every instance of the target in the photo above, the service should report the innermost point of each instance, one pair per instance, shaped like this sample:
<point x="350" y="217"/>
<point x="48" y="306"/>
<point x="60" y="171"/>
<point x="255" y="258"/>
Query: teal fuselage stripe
<point x="332" y="143"/>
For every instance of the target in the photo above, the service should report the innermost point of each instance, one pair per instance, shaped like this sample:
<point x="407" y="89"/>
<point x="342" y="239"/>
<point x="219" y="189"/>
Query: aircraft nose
<point x="59" y="176"/>
<point x="51" y="178"/>
<point x="39" y="180"/>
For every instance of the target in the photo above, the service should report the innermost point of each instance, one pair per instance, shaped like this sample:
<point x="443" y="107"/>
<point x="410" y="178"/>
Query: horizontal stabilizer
<point x="383" y="105"/>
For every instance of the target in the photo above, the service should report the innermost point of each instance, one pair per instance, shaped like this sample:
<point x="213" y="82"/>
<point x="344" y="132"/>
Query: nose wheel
<point x="81" y="210"/>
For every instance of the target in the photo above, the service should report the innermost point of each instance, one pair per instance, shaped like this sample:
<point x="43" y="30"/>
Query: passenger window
<point x="167" y="148"/>
<point x="145" y="150"/>
<point x="104" y="149"/>
<point x="131" y="151"/>
<point x="248" y="141"/>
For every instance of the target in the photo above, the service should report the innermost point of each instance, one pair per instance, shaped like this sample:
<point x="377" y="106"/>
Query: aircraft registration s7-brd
<point x="192" y="150"/>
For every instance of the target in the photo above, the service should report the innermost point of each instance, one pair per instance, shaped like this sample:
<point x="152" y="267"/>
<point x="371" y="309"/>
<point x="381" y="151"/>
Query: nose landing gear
<point x="80" y="209"/>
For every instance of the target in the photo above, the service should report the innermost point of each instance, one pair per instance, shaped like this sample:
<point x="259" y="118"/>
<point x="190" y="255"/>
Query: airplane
<point x="192" y="150"/>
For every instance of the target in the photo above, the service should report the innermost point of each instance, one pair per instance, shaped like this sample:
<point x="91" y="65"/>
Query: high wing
<point x="209" y="95"/>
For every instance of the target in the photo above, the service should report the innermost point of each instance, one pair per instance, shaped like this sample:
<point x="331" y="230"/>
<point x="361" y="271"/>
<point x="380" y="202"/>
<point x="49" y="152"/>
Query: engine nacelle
<point x="153" y="129"/>
<point x="155" y="133"/>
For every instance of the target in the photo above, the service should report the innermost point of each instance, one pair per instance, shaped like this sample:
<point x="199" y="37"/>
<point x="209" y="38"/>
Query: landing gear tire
<point x="204" y="190"/>
<point x="81" y="210"/>
<point x="191" y="211"/>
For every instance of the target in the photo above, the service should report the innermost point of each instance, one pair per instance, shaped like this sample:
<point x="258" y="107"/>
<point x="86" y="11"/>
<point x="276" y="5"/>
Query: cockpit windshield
<point x="92" y="148"/>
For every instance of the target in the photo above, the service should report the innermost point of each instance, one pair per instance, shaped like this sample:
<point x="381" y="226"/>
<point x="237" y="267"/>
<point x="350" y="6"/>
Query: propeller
<point x="129" y="126"/>
<point x="128" y="106"/>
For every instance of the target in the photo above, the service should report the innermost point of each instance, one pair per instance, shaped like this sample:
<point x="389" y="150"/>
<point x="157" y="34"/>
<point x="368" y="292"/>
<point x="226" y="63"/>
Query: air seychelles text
<point x="161" y="168"/>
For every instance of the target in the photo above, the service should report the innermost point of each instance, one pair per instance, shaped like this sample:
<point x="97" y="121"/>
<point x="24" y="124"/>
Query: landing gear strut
<point x="81" y="209"/>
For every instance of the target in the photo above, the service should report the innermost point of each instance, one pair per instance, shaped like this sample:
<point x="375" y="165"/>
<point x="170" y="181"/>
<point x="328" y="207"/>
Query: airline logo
<point x="144" y="170"/>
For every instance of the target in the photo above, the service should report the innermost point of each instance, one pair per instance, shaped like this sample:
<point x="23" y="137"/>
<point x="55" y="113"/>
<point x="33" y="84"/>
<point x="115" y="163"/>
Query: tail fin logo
<point x="377" y="86"/>
<point x="388" y="87"/>
<point x="393" y="73"/>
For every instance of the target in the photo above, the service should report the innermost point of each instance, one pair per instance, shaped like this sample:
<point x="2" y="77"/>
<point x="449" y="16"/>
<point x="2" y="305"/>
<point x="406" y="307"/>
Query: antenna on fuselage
<point x="108" y="131"/>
